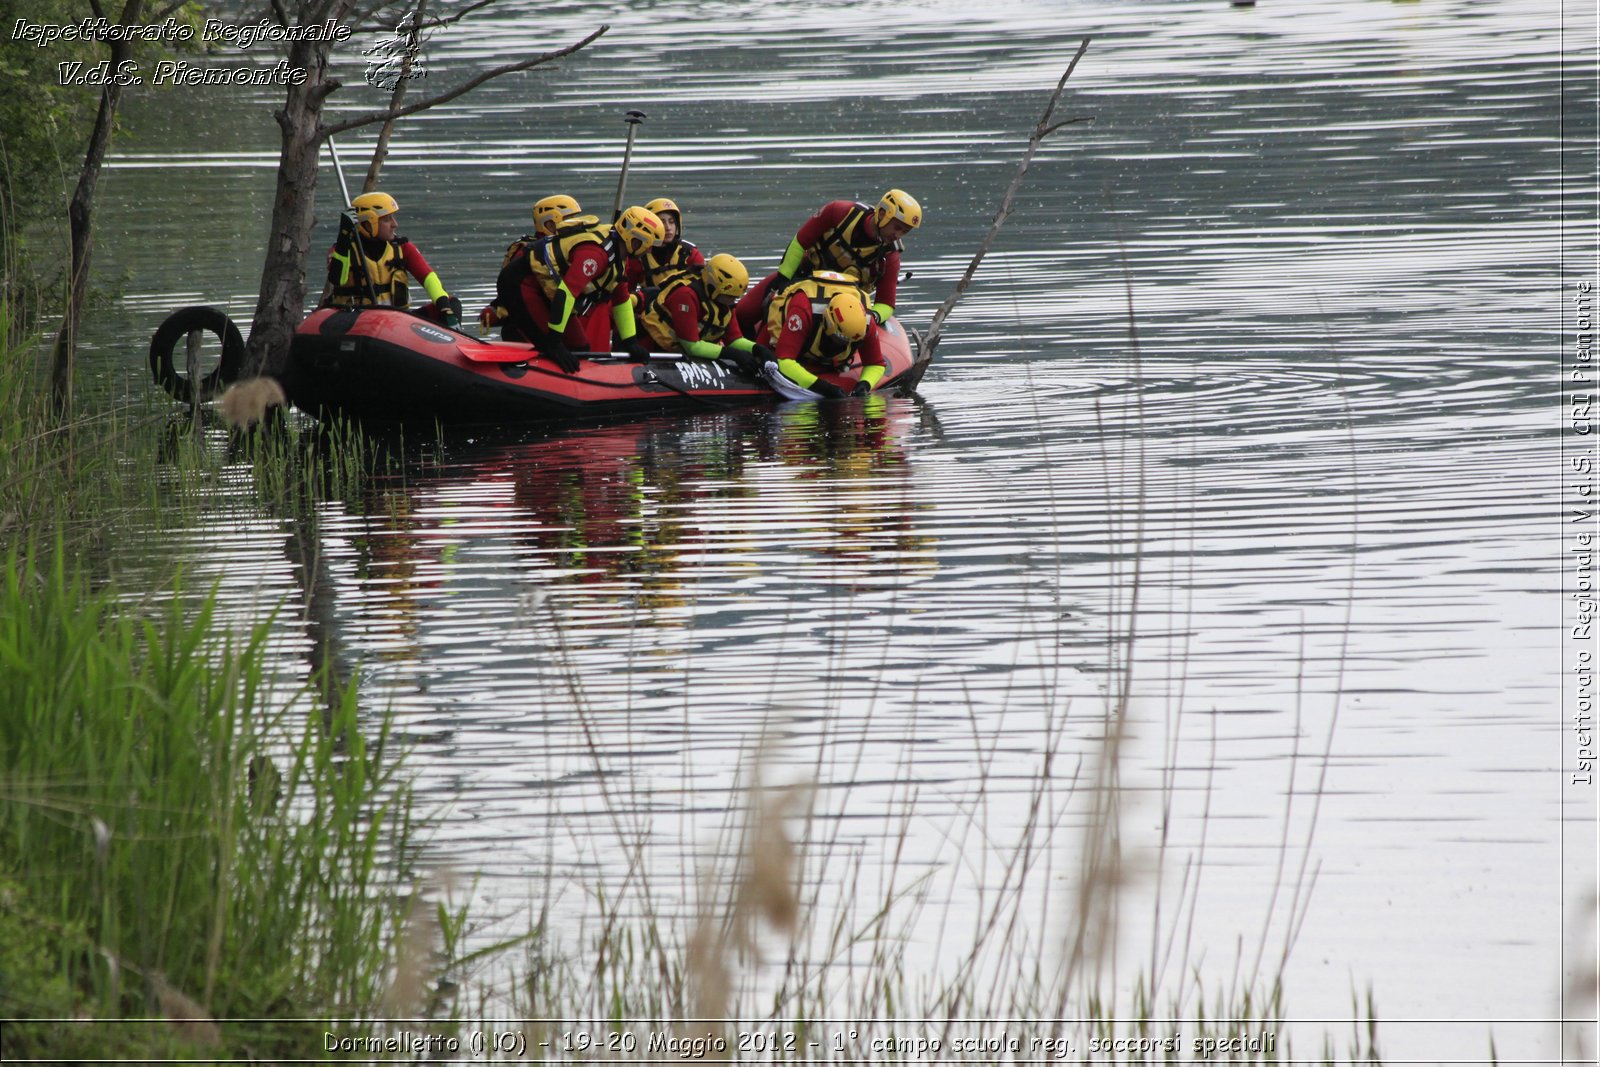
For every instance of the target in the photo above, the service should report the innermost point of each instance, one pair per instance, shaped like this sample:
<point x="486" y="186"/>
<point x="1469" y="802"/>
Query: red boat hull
<point x="380" y="365"/>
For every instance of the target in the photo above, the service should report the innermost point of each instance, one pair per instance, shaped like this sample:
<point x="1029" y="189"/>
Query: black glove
<point x="553" y="348"/>
<point x="638" y="351"/>
<point x="782" y="282"/>
<point x="825" y="388"/>
<point x="764" y="354"/>
<point x="861" y="389"/>
<point x="449" y="309"/>
<point x="743" y="362"/>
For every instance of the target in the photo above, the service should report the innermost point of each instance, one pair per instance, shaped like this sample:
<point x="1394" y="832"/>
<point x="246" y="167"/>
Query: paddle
<point x="484" y="355"/>
<point x="632" y="118"/>
<point x="355" y="237"/>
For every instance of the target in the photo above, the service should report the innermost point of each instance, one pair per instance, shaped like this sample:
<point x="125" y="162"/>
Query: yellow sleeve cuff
<point x="792" y="257"/>
<point x="563" y="297"/>
<point x="622" y="317"/>
<point x="432" y="285"/>
<point x="796" y="373"/>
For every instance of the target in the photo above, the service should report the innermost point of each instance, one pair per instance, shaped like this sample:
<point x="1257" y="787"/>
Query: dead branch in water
<point x="1044" y="129"/>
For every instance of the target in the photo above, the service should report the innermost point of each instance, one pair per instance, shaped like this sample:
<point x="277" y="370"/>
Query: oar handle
<point x="355" y="241"/>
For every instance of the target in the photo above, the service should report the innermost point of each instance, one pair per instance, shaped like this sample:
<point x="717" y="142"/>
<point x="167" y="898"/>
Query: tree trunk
<point x="282" y="297"/>
<point x="80" y="218"/>
<point x="281" y="302"/>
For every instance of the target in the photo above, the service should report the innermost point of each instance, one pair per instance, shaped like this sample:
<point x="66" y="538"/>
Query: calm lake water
<point x="1321" y="490"/>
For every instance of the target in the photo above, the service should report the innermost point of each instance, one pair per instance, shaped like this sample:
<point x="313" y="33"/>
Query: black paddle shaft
<point x="632" y="118"/>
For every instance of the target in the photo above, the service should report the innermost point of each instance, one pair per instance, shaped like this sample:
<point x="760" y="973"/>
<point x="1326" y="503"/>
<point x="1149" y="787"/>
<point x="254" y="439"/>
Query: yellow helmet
<point x="640" y="229"/>
<point x="846" y="317"/>
<point x="898" y="204"/>
<point x="661" y="205"/>
<point x="726" y="278"/>
<point x="549" y="212"/>
<point x="370" y="207"/>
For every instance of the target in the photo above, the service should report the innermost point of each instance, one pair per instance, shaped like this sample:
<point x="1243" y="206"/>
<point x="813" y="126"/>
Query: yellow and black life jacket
<point x="387" y="270"/>
<point x="551" y="256"/>
<point x="664" y="263"/>
<point x="519" y="248"/>
<point x="714" y="318"/>
<point x="846" y="248"/>
<point x="819" y="344"/>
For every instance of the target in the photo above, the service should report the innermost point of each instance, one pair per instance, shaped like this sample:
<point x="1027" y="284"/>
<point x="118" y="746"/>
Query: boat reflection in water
<point x="632" y="524"/>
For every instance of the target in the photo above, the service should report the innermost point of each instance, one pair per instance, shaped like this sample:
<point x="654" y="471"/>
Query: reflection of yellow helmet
<point x="548" y="213"/>
<point x="370" y="207"/>
<point x="901" y="205"/>
<point x="846" y="317"/>
<point x="726" y="277"/>
<point x="640" y="229"/>
<point x="661" y="205"/>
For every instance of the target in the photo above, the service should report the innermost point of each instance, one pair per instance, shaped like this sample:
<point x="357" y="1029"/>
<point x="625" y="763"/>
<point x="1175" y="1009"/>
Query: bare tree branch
<point x="465" y="87"/>
<point x="1040" y="132"/>
<point x="1068" y="122"/>
<point x="397" y="99"/>
<point x="445" y="20"/>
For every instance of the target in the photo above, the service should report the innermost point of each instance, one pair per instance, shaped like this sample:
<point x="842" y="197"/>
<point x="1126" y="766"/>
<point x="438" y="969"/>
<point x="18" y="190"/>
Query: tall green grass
<point x="181" y="844"/>
<point x="171" y="839"/>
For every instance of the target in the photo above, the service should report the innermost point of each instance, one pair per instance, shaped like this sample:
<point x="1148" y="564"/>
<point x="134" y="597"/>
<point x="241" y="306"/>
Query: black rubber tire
<point x="179" y="325"/>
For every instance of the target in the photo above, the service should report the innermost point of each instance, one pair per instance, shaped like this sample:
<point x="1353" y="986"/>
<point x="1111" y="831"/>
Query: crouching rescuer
<point x="818" y="326"/>
<point x="370" y="266"/>
<point x="557" y="288"/>
<point x="693" y="314"/>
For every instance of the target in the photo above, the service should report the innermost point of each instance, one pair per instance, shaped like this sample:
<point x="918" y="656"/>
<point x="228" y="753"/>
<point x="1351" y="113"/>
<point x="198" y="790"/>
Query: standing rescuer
<point x="817" y="326"/>
<point x="369" y="266"/>
<point x="556" y="291"/>
<point x="850" y="238"/>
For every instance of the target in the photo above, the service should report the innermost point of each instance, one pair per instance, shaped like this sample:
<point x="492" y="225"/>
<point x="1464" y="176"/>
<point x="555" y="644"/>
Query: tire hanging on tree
<point x="179" y="325"/>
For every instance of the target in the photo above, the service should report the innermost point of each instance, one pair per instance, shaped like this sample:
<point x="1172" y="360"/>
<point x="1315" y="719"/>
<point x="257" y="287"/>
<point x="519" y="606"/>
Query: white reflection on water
<point x="1338" y="221"/>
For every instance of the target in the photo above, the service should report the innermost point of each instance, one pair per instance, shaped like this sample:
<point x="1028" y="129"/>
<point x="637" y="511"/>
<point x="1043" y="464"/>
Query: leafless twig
<point x="1040" y="132"/>
<point x="464" y="87"/>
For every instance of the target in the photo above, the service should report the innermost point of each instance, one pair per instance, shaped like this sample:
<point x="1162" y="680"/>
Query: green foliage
<point x="168" y="838"/>
<point x="43" y="124"/>
<point x="44" y="131"/>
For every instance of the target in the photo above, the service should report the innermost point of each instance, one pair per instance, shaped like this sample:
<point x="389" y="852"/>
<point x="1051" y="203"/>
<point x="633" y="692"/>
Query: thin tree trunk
<point x="80" y="220"/>
<point x="281" y="301"/>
